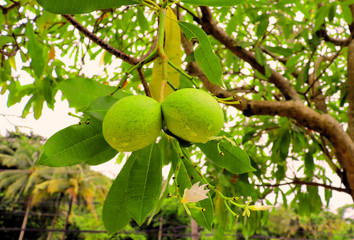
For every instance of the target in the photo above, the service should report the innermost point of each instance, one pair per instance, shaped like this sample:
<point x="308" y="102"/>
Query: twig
<point x="10" y="54"/>
<point x="323" y="71"/>
<point x="119" y="54"/>
<point x="143" y="81"/>
<point x="298" y="182"/>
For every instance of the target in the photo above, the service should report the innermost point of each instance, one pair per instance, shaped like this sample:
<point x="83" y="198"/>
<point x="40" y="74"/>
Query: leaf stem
<point x="189" y="77"/>
<point x="132" y="69"/>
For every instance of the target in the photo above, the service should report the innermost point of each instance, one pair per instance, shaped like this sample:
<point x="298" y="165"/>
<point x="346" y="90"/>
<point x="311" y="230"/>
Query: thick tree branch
<point x="350" y="66"/>
<point x="210" y="26"/>
<point x="324" y="124"/>
<point x="119" y="54"/>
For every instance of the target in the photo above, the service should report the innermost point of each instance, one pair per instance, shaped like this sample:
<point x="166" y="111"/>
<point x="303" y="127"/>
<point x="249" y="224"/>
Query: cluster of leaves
<point x="285" y="38"/>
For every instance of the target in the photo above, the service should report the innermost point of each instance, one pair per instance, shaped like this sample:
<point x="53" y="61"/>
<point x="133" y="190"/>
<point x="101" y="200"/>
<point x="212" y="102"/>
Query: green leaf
<point x="206" y="59"/>
<point x="281" y="145"/>
<point x="321" y="14"/>
<point x="231" y="26"/>
<point x="234" y="159"/>
<point x="280" y="51"/>
<point x="145" y="181"/>
<point x="215" y="3"/>
<point x="81" y="6"/>
<point x="290" y="64"/>
<point x="77" y="144"/>
<point x="303" y="76"/>
<point x="262" y="26"/>
<point x="347" y="12"/>
<point x="143" y="22"/>
<point x="114" y="214"/>
<point x="38" y="105"/>
<point x="314" y="198"/>
<point x="5" y="40"/>
<point x="80" y="92"/>
<point x="100" y="106"/>
<point x="35" y="50"/>
<point x="187" y="176"/>
<point x="259" y="56"/>
<point x="309" y="165"/>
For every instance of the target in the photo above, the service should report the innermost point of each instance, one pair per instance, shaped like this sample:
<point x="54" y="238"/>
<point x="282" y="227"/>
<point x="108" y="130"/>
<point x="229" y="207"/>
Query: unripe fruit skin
<point x="193" y="115"/>
<point x="132" y="123"/>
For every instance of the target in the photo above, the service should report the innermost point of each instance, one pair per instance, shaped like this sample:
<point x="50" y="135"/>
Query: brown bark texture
<point x="293" y="107"/>
<point x="350" y="66"/>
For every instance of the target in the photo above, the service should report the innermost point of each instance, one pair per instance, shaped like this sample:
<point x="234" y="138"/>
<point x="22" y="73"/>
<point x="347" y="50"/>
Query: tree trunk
<point x="25" y="218"/>
<point x="194" y="230"/>
<point x="54" y="218"/>
<point x="67" y="218"/>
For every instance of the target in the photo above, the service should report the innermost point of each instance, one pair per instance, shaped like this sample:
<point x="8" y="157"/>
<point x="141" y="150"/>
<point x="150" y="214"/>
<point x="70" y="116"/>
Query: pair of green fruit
<point x="135" y="122"/>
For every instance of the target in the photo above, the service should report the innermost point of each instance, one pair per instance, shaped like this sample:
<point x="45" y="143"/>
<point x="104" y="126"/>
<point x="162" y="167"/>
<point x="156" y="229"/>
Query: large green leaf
<point x="206" y="59"/>
<point x="81" y="6"/>
<point x="114" y="214"/>
<point x="35" y="50"/>
<point x="233" y="158"/>
<point x="5" y="40"/>
<point x="80" y="92"/>
<point x="187" y="176"/>
<point x="215" y="3"/>
<point x="100" y="106"/>
<point x="77" y="144"/>
<point x="144" y="185"/>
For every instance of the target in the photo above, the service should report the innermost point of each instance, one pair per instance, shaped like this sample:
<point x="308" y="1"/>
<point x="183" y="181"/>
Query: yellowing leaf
<point x="12" y="62"/>
<point x="172" y="49"/>
<point x="102" y="59"/>
<point x="51" y="53"/>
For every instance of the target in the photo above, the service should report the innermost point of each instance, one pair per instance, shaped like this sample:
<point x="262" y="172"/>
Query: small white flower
<point x="195" y="193"/>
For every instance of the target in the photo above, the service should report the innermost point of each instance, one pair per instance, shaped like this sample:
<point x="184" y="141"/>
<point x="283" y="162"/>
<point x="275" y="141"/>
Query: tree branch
<point x="316" y="93"/>
<point x="299" y="182"/>
<point x="209" y="25"/>
<point x="143" y="81"/>
<point x="324" y="124"/>
<point x="338" y="42"/>
<point x="10" y="54"/>
<point x="119" y="54"/>
<point x="350" y="67"/>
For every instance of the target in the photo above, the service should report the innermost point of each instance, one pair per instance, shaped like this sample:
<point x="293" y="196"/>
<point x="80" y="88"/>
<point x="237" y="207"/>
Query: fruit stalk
<point x="161" y="52"/>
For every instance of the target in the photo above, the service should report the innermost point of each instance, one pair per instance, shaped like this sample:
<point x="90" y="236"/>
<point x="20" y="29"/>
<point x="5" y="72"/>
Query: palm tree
<point x="77" y="183"/>
<point x="18" y="173"/>
<point x="20" y="177"/>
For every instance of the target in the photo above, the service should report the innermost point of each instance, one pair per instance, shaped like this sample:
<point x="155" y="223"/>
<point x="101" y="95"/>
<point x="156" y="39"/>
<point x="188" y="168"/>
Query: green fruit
<point x="132" y="123"/>
<point x="193" y="115"/>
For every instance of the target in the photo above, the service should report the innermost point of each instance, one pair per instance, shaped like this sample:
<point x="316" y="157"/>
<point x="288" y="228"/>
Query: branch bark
<point x="316" y="93"/>
<point x="106" y="46"/>
<point x="324" y="124"/>
<point x="350" y="66"/>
